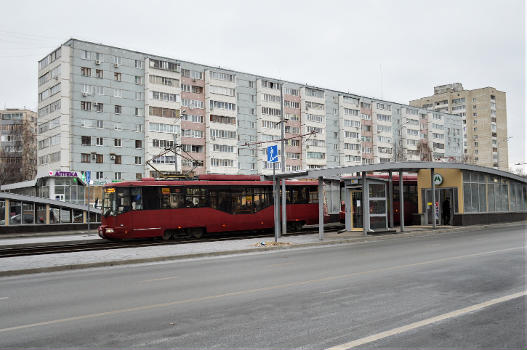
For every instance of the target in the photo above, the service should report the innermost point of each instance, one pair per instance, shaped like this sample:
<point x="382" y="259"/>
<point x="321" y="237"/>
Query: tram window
<point x="220" y="199"/>
<point x="313" y="194"/>
<point x="136" y="198"/>
<point x="172" y="197"/>
<point x="151" y="198"/>
<point x="299" y="195"/>
<point x="242" y="201"/>
<point x="262" y="198"/>
<point x="196" y="198"/>
<point x="123" y="200"/>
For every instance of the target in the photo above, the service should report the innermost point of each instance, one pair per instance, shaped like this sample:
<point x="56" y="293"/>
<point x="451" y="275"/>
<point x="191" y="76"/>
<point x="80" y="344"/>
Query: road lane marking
<point x="428" y="321"/>
<point x="280" y="264"/>
<point x="243" y="292"/>
<point x="161" y="279"/>
<point x="4" y="298"/>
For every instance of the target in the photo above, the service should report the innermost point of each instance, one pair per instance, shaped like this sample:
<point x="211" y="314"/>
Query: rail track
<point x="57" y="248"/>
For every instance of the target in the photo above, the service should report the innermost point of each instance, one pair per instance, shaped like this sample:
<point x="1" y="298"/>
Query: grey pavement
<point x="120" y="256"/>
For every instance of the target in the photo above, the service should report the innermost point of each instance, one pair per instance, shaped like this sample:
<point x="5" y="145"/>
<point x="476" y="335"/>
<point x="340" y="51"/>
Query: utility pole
<point x="282" y="132"/>
<point x="175" y="154"/>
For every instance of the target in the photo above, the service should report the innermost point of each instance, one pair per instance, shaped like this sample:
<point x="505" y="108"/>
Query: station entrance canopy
<point x="491" y="186"/>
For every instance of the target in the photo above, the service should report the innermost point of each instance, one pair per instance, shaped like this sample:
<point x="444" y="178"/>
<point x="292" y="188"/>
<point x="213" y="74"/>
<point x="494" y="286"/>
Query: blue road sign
<point x="88" y="176"/>
<point x="272" y="154"/>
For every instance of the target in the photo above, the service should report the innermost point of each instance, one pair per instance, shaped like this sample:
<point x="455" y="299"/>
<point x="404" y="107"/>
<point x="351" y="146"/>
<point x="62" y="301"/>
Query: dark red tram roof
<point x="209" y="180"/>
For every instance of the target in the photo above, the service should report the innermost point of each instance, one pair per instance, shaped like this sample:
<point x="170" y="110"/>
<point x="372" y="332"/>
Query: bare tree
<point x="424" y="151"/>
<point x="29" y="155"/>
<point x="18" y="160"/>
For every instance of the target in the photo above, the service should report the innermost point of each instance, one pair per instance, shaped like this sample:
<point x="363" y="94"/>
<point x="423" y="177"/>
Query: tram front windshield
<point x="119" y="200"/>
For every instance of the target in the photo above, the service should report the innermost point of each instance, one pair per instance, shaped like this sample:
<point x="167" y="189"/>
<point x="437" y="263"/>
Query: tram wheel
<point x="197" y="232"/>
<point x="295" y="226"/>
<point x="167" y="235"/>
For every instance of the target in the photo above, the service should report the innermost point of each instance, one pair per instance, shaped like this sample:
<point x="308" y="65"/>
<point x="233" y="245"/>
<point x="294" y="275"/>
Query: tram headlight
<point x="108" y="230"/>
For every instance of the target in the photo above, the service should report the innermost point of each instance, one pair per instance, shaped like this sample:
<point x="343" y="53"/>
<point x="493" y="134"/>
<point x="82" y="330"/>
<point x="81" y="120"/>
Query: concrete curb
<point x="353" y="240"/>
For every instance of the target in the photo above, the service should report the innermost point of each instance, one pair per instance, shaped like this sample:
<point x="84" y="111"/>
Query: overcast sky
<point x="341" y="45"/>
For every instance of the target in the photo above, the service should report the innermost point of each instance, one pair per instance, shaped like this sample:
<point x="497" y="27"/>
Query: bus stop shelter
<point x="372" y="193"/>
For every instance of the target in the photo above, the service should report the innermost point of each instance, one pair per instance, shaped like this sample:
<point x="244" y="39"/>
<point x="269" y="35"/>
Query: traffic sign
<point x="272" y="154"/>
<point x="88" y="176"/>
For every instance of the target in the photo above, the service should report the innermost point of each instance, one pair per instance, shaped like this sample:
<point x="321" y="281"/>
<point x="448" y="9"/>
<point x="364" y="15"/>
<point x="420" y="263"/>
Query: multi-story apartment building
<point x="18" y="152"/>
<point x="110" y="110"/>
<point x="484" y="114"/>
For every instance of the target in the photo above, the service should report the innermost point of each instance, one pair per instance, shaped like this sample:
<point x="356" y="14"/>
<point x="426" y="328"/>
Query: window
<point x="223" y="148"/>
<point x="165" y="128"/>
<point x="220" y="90"/>
<point x="384" y="117"/>
<point x="271" y="111"/>
<point x="138" y="160"/>
<point x="316" y="155"/>
<point x="98" y="107"/>
<point x="117" y="142"/>
<point x="164" y="96"/>
<point x="165" y="65"/>
<point x="222" y="134"/>
<point x="86" y="140"/>
<point x="139" y="64"/>
<point x="117" y="76"/>
<point x="117" y="93"/>
<point x="139" y="80"/>
<point x="139" y="96"/>
<point x="117" y="176"/>
<point x="100" y="124"/>
<point x="99" y="175"/>
<point x="222" y="105"/>
<point x="86" y="106"/>
<point x="291" y="91"/>
<point x="99" y="73"/>
<point x="99" y="158"/>
<point x="197" y="148"/>
<point x="164" y="112"/>
<point x="85" y="157"/>
<point x="86" y="72"/>
<point x="99" y="141"/>
<point x="221" y="76"/>
<point x="138" y="144"/>
<point x="117" y="159"/>
<point x="197" y="134"/>
<point x="118" y="109"/>
<point x="156" y="79"/>
<point x="139" y="112"/>
<point x="192" y="118"/>
<point x="221" y="162"/>
<point x="314" y="93"/>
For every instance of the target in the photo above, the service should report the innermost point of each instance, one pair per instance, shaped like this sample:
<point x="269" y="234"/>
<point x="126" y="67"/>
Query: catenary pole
<point x="282" y="127"/>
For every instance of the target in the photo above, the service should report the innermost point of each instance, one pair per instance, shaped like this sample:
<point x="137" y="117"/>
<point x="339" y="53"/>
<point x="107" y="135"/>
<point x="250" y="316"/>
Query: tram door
<point x="356" y="210"/>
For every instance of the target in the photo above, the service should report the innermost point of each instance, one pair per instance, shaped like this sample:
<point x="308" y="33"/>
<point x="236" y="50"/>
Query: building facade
<point x="17" y="145"/>
<point x="111" y="111"/>
<point x="484" y="114"/>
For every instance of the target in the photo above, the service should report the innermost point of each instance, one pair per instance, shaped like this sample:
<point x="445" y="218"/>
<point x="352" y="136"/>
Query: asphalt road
<point x="407" y="293"/>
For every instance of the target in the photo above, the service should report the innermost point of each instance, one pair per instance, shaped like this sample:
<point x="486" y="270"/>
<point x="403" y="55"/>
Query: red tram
<point x="213" y="203"/>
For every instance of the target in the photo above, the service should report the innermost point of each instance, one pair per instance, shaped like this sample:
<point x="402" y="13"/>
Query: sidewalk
<point x="79" y="260"/>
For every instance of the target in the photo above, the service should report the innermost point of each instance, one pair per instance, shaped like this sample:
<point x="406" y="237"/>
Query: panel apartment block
<point x="484" y="115"/>
<point x="110" y="110"/>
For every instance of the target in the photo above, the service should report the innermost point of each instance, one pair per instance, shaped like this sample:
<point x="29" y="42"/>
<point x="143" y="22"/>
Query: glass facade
<point x="484" y="193"/>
